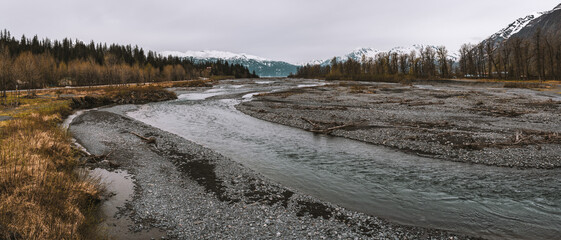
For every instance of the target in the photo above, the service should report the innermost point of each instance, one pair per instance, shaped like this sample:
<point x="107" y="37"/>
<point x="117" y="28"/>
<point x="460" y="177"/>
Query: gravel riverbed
<point x="463" y="121"/>
<point x="187" y="191"/>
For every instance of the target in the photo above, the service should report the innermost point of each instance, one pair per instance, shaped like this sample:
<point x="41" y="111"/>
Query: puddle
<point x="5" y="118"/>
<point x="120" y="186"/>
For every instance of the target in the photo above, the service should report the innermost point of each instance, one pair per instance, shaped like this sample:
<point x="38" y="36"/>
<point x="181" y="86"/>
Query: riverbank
<point x="465" y="121"/>
<point x="188" y="191"/>
<point x="44" y="194"/>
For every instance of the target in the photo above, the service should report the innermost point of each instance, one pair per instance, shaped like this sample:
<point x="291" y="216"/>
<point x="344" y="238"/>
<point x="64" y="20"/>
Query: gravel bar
<point x="482" y="123"/>
<point x="188" y="191"/>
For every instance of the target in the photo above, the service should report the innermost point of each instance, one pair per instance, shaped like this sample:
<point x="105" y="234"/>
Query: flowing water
<point x="484" y="201"/>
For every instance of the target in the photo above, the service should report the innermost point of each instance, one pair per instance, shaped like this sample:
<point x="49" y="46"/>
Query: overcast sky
<point x="290" y="30"/>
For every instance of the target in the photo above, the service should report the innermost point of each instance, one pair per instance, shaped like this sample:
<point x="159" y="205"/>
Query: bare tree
<point x="428" y="57"/>
<point x="26" y="70"/>
<point x="505" y="55"/>
<point x="539" y="54"/>
<point x="442" y="54"/>
<point x="550" y="54"/>
<point x="489" y="51"/>
<point x="404" y="63"/>
<point x="5" y="72"/>
<point x="46" y="65"/>
<point x="149" y="73"/>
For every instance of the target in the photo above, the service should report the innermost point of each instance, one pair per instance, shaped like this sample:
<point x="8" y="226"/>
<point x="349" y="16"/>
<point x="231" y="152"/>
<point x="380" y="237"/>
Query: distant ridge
<point x="372" y="52"/>
<point x="262" y="66"/>
<point x="525" y="28"/>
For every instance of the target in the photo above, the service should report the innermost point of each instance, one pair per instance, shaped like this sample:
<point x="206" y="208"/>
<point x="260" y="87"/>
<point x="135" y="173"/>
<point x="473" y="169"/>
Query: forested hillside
<point x="37" y="63"/>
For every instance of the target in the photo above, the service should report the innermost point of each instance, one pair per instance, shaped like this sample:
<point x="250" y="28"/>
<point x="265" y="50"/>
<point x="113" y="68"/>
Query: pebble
<point x="186" y="208"/>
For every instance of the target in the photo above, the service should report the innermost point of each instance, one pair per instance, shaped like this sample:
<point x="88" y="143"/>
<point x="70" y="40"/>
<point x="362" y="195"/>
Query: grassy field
<point x="43" y="192"/>
<point x="43" y="196"/>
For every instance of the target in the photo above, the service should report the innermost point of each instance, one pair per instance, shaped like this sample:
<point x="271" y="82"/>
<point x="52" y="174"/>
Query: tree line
<point x="32" y="63"/>
<point x="533" y="58"/>
<point x="428" y="62"/>
<point x="537" y="58"/>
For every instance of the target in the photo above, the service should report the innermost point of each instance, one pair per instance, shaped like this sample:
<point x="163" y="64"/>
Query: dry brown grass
<point x="220" y="77"/>
<point x="42" y="196"/>
<point x="193" y="83"/>
<point x="506" y="81"/>
<point x="139" y="94"/>
<point x="530" y="85"/>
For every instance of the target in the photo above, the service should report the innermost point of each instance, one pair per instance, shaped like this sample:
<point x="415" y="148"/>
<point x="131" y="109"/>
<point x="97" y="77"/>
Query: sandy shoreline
<point x="481" y="123"/>
<point x="188" y="191"/>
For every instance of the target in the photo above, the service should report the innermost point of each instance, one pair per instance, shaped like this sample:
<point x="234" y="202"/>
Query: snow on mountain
<point x="372" y="53"/>
<point x="513" y="28"/>
<point x="262" y="66"/>
<point x="270" y="68"/>
<point x="355" y="54"/>
<point x="408" y="50"/>
<point x="359" y="52"/>
<point x="312" y="62"/>
<point x="213" y="54"/>
<point x="519" y="25"/>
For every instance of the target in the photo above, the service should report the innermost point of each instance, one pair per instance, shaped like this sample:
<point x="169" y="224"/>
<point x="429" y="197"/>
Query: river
<point x="490" y="202"/>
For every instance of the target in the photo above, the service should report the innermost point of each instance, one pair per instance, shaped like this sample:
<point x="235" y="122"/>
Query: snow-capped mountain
<point x="372" y="53"/>
<point x="262" y="66"/>
<point x="359" y="52"/>
<point x="311" y="63"/>
<point x="525" y="27"/>
<point x="513" y="28"/>
<point x="355" y="54"/>
<point x="212" y="54"/>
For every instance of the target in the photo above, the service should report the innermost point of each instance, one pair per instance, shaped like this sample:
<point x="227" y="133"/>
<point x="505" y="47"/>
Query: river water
<point x="484" y="201"/>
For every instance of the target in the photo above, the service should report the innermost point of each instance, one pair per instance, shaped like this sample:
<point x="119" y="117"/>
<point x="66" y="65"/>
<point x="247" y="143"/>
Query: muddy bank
<point x="124" y="95"/>
<point x="475" y="123"/>
<point x="187" y="191"/>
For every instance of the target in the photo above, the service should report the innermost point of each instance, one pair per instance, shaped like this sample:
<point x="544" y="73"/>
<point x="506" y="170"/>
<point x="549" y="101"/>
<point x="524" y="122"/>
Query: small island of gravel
<point x="463" y="121"/>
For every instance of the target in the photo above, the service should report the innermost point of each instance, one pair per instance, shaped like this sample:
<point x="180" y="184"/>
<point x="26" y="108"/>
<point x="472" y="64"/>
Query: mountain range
<point x="262" y="66"/>
<point x="271" y="68"/>
<point x="549" y="22"/>
<point x="371" y="53"/>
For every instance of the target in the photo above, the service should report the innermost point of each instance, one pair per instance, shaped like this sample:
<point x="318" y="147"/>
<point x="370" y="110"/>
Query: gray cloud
<point x="288" y="30"/>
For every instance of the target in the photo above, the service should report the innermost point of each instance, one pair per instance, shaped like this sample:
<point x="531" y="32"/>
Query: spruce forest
<point x="34" y="63"/>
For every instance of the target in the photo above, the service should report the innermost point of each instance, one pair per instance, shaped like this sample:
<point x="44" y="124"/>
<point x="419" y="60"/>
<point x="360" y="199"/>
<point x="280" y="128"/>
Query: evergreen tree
<point x="39" y="63"/>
